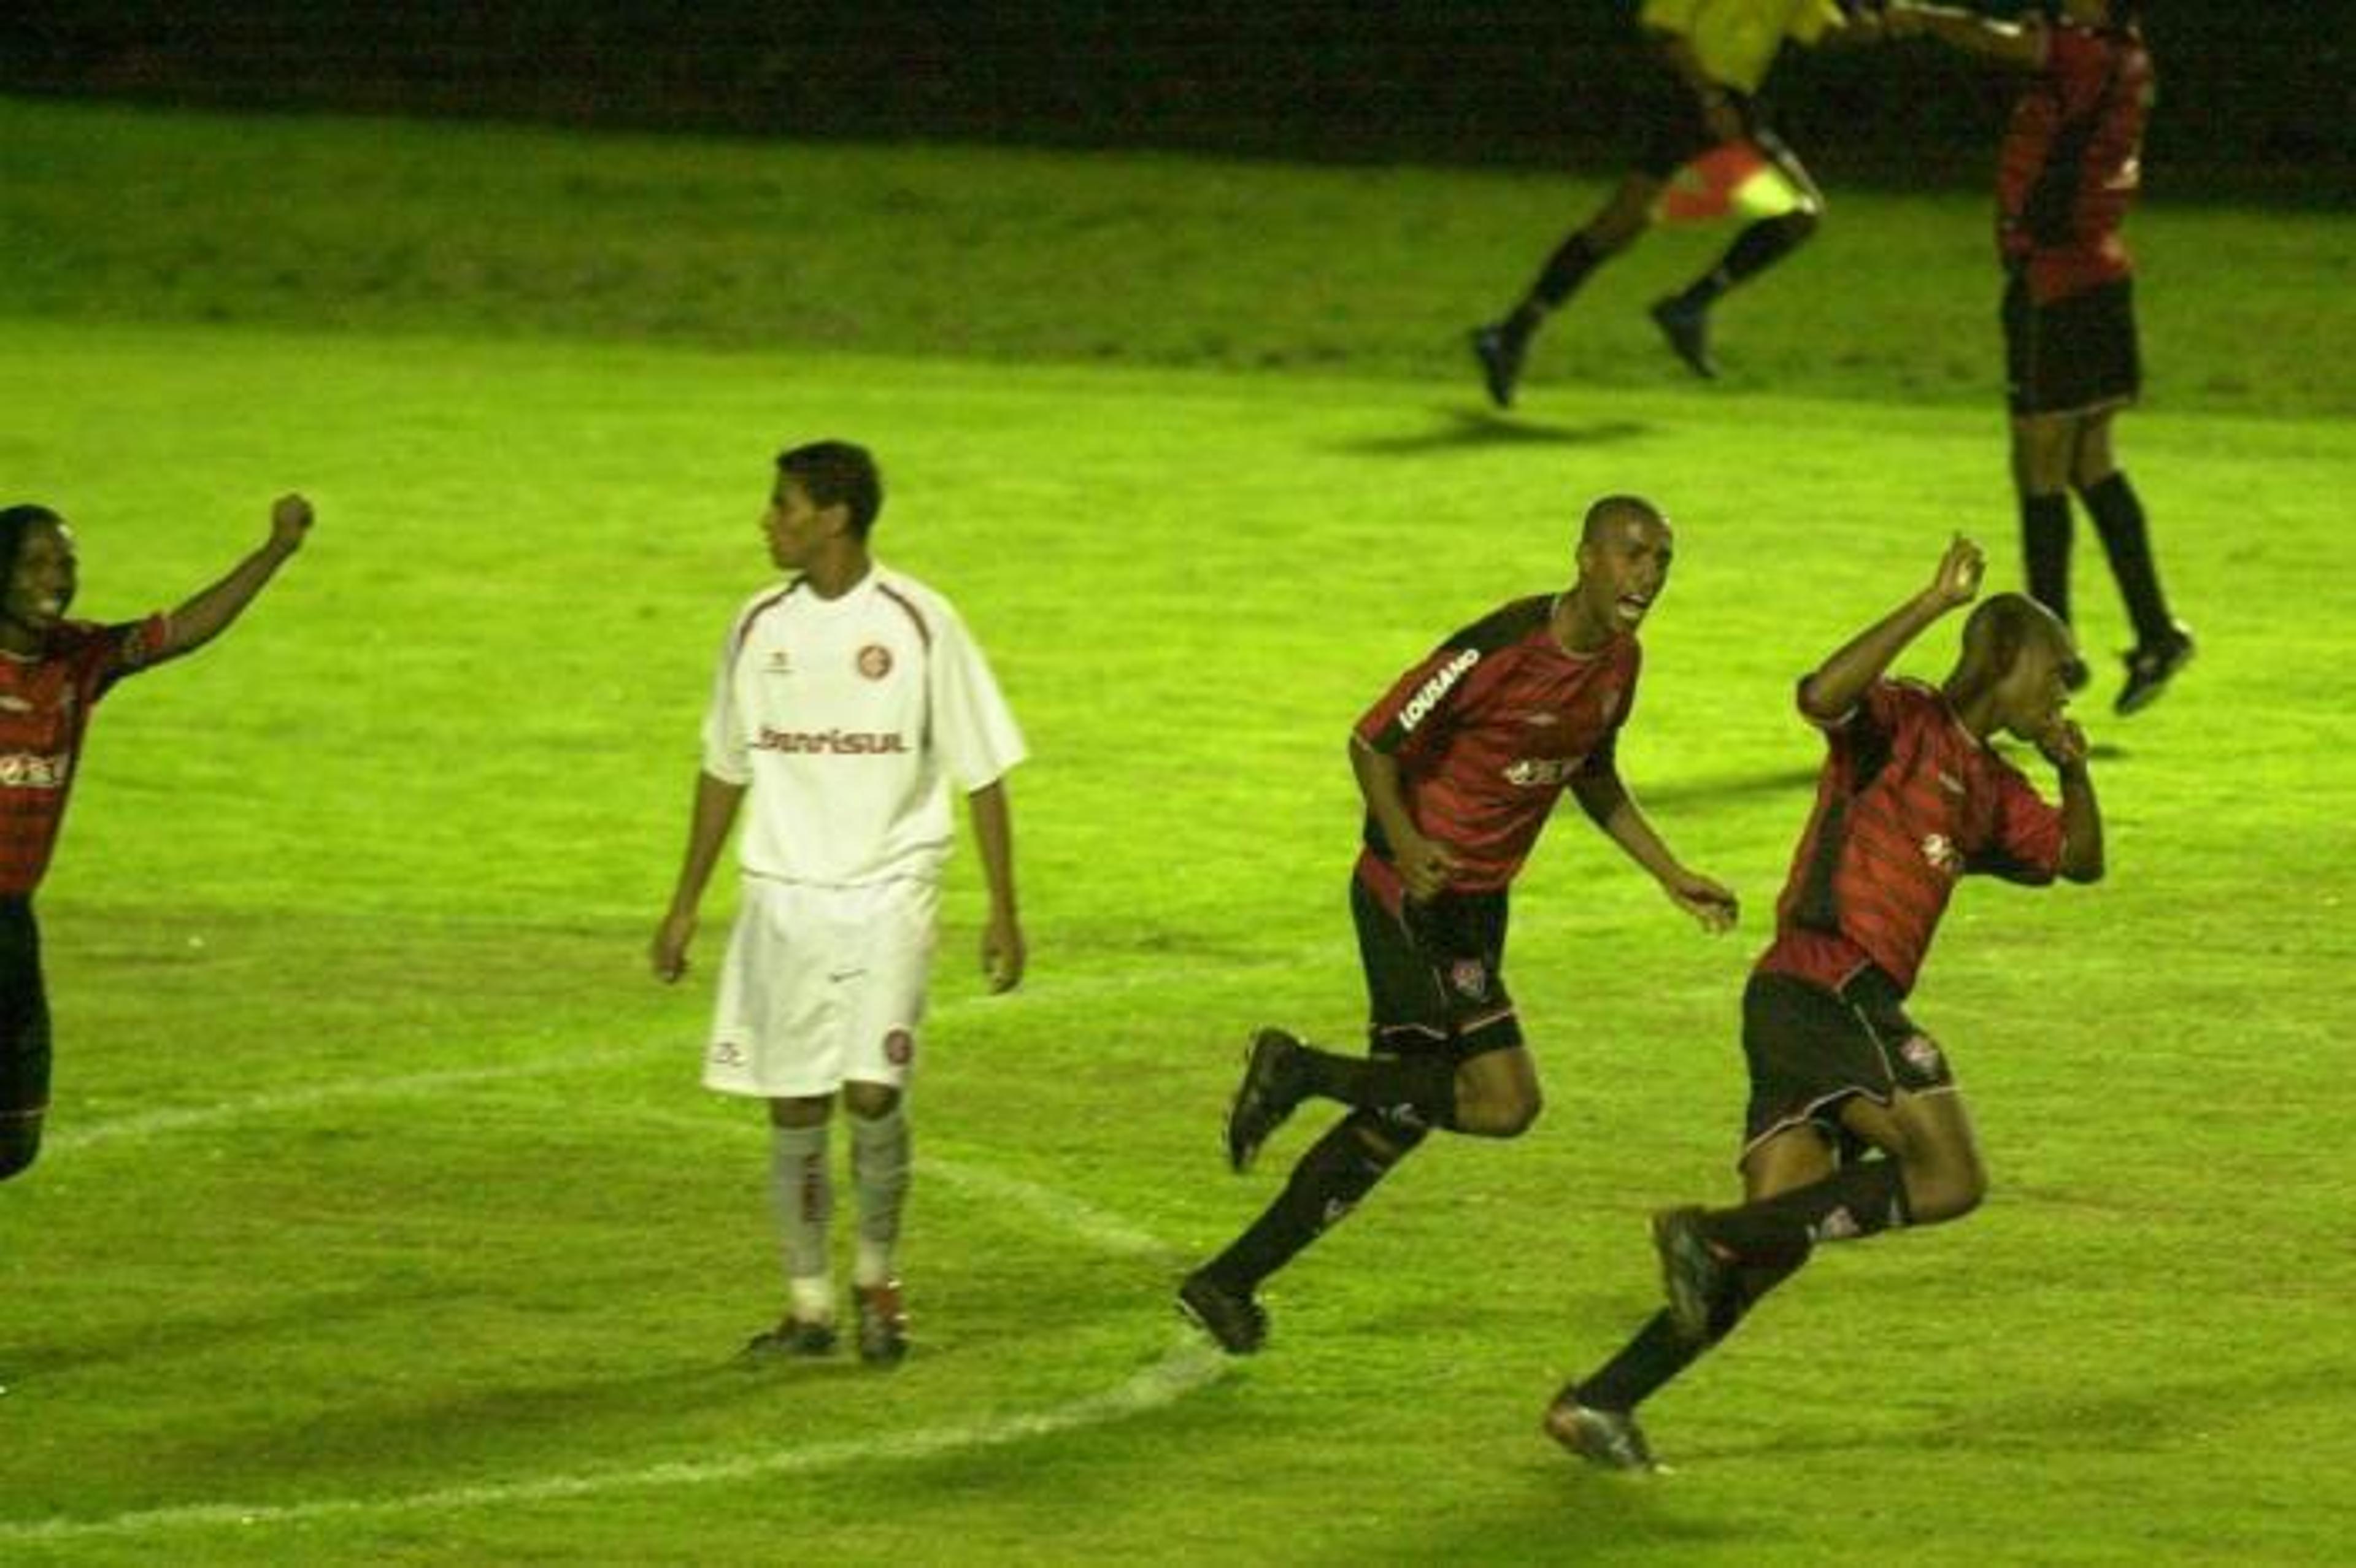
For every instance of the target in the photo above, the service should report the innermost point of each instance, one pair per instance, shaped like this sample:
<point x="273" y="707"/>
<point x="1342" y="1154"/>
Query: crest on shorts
<point x="1940" y="851"/>
<point x="899" y="1048"/>
<point x="1470" y="976"/>
<point x="1921" y="1054"/>
<point x="727" y="1053"/>
<point x="875" y="661"/>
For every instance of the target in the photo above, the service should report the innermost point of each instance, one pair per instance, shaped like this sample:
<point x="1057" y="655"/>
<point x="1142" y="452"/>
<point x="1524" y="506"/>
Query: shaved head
<point x="2007" y="624"/>
<point x="1614" y="510"/>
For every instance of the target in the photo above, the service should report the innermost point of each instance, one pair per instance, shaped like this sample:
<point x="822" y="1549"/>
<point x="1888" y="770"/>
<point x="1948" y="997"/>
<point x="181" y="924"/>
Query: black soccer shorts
<point x="1810" y="1048"/>
<point x="24" y="1015"/>
<point x="1435" y="977"/>
<point x="2073" y="355"/>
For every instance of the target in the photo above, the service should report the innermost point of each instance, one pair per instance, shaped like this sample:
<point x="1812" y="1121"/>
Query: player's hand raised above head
<point x="1957" y="581"/>
<point x="290" y="522"/>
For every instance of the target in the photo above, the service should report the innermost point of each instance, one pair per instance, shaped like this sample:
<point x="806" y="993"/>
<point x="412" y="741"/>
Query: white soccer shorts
<point x="822" y="987"/>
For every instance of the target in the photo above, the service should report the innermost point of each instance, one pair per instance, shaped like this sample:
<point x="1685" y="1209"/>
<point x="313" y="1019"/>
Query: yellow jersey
<point x="1736" y="40"/>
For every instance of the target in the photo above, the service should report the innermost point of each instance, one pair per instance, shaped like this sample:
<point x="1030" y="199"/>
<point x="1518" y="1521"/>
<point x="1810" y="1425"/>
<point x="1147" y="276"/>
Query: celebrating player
<point x="1461" y="764"/>
<point x="844" y="701"/>
<point x="53" y="671"/>
<point x="1711" y="57"/>
<point x="2070" y="169"/>
<point x="1911" y="799"/>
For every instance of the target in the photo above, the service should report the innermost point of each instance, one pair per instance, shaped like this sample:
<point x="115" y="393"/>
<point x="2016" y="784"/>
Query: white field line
<point x="65" y="1136"/>
<point x="1187" y="1365"/>
<point x="1183" y="1369"/>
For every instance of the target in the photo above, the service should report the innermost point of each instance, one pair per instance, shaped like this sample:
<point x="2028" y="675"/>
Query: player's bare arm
<point x="1424" y="864"/>
<point x="1832" y="693"/>
<point x="1003" y="951"/>
<point x="2064" y="745"/>
<point x="714" y="813"/>
<point x="211" y="611"/>
<point x="2022" y="45"/>
<point x="1605" y="799"/>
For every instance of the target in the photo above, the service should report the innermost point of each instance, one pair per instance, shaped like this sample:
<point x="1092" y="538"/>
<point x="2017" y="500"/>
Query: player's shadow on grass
<point x="1458" y="428"/>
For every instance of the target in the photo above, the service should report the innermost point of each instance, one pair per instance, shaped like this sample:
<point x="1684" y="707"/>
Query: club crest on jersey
<point x="875" y="661"/>
<point x="1941" y="852"/>
<point x="1470" y="976"/>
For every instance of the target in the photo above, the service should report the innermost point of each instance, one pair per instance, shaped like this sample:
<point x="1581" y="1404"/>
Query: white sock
<point x="802" y="1188"/>
<point x="879" y="1172"/>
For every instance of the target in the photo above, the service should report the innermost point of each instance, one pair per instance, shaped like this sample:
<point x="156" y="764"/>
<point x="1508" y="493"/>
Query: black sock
<point x="1560" y="279"/>
<point x="1754" y="251"/>
<point x="1339" y="1169"/>
<point x="1423" y="1085"/>
<point x="1659" y="1352"/>
<point x="2118" y="519"/>
<point x="2045" y="548"/>
<point x="1778" y="1231"/>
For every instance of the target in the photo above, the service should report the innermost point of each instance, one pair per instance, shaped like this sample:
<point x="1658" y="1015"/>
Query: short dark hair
<point x="15" y="522"/>
<point x="838" y="472"/>
<point x="1612" y="508"/>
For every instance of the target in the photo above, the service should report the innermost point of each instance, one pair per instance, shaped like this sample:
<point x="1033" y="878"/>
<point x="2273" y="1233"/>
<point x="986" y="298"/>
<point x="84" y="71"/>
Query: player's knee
<point x="870" y="1101"/>
<point x="1499" y="1118"/>
<point x="19" y="1148"/>
<point x="1943" y="1190"/>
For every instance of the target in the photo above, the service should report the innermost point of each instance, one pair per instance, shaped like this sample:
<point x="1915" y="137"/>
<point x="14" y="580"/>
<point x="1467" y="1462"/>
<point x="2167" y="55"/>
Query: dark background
<point x="2255" y="95"/>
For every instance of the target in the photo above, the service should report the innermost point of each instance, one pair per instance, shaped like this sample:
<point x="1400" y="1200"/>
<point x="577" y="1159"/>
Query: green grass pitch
<point x="382" y="1219"/>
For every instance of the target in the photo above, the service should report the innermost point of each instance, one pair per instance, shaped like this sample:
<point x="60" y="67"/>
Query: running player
<point x="845" y="703"/>
<point x="1700" y="93"/>
<point x="1461" y="764"/>
<point x="53" y="671"/>
<point x="1911" y="799"/>
<point x="2069" y="170"/>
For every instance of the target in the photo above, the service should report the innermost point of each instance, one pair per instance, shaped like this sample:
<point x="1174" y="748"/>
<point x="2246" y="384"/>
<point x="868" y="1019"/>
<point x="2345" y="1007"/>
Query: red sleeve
<point x="1421" y="703"/>
<point x="2027" y="846"/>
<point x="105" y="655"/>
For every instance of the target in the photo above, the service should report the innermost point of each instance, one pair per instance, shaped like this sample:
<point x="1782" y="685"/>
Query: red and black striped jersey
<point x="1908" y="802"/>
<point x="1491" y="727"/>
<point x="44" y="704"/>
<point x="2072" y="161"/>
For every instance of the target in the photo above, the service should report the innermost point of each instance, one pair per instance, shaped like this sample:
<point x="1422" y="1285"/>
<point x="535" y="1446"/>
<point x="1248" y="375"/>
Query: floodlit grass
<point x="383" y="1219"/>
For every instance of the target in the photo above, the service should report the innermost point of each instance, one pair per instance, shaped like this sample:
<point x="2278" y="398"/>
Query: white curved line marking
<point x="1187" y="1365"/>
<point x="1186" y="1368"/>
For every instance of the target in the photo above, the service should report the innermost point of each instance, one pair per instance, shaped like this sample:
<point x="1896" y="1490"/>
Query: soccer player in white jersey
<point x="846" y="701"/>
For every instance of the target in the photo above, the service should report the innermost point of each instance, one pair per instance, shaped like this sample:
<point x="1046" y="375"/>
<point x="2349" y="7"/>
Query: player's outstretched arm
<point x="1605" y="799"/>
<point x="1003" y="951"/>
<point x="211" y="611"/>
<point x="2020" y="45"/>
<point x="2064" y="746"/>
<point x="1832" y="691"/>
<point x="714" y="813"/>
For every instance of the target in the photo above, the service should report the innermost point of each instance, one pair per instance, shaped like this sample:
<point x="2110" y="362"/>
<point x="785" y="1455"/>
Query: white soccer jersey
<point x="847" y="717"/>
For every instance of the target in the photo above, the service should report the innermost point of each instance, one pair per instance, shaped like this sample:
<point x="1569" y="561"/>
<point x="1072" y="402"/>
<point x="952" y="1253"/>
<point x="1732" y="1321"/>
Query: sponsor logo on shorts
<point x="1533" y="772"/>
<point x="1470" y="976"/>
<point x="1940" y="851"/>
<point x="1427" y="696"/>
<point x="899" y="1048"/>
<point x="1921" y="1054"/>
<point x="875" y="661"/>
<point x="839" y="742"/>
<point x="22" y="770"/>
